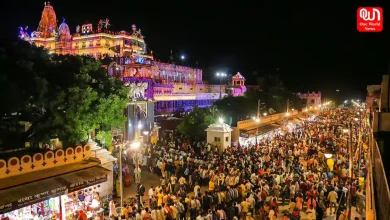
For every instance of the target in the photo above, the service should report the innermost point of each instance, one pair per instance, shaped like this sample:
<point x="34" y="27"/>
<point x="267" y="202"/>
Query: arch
<point x="13" y="165"/>
<point x="49" y="159"/>
<point x="69" y="155"/>
<point x="79" y="153"/>
<point x="87" y="151"/>
<point x="25" y="163"/>
<point x="38" y="157"/>
<point x="60" y="157"/>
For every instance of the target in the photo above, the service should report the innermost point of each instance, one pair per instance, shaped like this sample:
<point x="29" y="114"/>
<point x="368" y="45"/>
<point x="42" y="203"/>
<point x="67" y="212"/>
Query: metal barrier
<point x="379" y="188"/>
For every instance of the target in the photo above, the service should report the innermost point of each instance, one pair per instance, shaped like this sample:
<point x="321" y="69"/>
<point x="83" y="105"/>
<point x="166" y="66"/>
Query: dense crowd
<point x="287" y="168"/>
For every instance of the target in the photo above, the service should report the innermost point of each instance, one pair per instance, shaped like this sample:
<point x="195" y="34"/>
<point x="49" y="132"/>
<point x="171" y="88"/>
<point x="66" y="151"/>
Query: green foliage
<point x="246" y="106"/>
<point x="196" y="122"/>
<point x="60" y="95"/>
<point x="104" y="138"/>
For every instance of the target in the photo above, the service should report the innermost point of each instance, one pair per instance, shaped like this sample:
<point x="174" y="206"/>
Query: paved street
<point x="149" y="179"/>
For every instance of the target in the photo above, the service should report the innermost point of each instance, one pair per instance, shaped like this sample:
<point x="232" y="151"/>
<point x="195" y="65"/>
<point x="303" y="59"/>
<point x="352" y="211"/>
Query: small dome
<point x="63" y="30"/>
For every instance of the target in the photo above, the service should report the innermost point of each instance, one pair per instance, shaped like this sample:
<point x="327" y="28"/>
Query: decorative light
<point x="287" y="114"/>
<point x="328" y="155"/>
<point x="220" y="120"/>
<point x="345" y="130"/>
<point x="135" y="145"/>
<point x="139" y="125"/>
<point x="257" y="120"/>
<point x="95" y="203"/>
<point x="265" y="113"/>
<point x="356" y="119"/>
<point x="292" y="109"/>
<point x="146" y="132"/>
<point x="182" y="57"/>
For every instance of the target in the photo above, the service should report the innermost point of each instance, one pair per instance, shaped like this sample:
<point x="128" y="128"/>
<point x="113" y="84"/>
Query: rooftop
<point x="219" y="127"/>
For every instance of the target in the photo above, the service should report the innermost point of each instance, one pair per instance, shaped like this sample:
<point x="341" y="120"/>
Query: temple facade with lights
<point x="155" y="88"/>
<point x="172" y="87"/>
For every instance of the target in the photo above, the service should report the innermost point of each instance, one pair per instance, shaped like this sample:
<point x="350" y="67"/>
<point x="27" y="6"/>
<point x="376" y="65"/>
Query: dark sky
<point x="315" y="47"/>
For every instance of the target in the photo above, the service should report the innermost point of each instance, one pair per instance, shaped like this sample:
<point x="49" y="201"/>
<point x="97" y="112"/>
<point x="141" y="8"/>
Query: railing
<point x="380" y="187"/>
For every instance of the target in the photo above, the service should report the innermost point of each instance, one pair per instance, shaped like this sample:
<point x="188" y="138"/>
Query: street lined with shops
<point x="299" y="171"/>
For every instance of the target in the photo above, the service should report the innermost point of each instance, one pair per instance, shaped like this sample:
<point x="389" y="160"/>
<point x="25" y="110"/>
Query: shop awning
<point x="260" y="130"/>
<point x="31" y="193"/>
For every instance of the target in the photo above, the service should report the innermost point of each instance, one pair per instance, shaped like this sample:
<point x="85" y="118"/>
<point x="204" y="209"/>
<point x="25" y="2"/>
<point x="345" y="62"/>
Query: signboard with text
<point x="51" y="193"/>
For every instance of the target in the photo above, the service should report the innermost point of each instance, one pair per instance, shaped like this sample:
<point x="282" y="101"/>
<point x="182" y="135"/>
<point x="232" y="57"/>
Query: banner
<point x="29" y="200"/>
<point x="51" y="193"/>
<point x="86" y="183"/>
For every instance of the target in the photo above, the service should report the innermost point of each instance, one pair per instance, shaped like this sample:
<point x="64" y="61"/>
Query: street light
<point x="135" y="146"/>
<point x="182" y="57"/>
<point x="265" y="113"/>
<point x="120" y="171"/>
<point x="257" y="120"/>
<point x="220" y="75"/>
<point x="146" y="133"/>
<point x="220" y="120"/>
<point x="328" y="152"/>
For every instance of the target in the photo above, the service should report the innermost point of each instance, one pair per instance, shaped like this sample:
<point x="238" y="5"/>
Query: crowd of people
<point x="285" y="176"/>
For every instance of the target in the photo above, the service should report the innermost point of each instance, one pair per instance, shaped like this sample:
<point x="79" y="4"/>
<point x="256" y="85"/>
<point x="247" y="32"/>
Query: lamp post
<point x="135" y="146"/>
<point x="121" y="172"/>
<point x="147" y="136"/>
<point x="350" y="171"/>
<point x="220" y="76"/>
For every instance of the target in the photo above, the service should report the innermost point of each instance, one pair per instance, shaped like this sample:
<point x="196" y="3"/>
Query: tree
<point x="56" y="96"/>
<point x="242" y="107"/>
<point x="196" y="122"/>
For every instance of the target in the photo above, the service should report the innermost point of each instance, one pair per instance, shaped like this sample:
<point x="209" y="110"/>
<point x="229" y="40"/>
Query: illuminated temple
<point x="169" y="86"/>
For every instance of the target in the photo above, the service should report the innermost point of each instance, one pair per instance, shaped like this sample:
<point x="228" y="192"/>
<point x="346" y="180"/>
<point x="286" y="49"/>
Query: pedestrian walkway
<point x="150" y="179"/>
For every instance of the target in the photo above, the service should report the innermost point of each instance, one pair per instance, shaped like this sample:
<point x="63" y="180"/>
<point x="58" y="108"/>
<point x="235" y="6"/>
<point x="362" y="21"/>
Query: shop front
<point x="248" y="137"/>
<point x="63" y="197"/>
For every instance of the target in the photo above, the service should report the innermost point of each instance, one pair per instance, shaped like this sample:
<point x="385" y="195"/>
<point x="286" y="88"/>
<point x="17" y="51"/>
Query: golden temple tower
<point x="48" y="23"/>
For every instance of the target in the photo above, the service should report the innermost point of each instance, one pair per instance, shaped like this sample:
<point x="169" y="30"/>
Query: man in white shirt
<point x="292" y="191"/>
<point x="182" y="181"/>
<point x="151" y="194"/>
<point x="196" y="187"/>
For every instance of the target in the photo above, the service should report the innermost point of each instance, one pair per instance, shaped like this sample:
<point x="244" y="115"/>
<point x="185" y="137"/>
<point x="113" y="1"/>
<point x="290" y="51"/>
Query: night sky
<point x="314" y="47"/>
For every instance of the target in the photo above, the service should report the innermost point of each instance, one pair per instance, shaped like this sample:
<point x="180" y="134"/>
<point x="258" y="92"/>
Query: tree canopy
<point x="196" y="122"/>
<point x="245" y="106"/>
<point x="46" y="96"/>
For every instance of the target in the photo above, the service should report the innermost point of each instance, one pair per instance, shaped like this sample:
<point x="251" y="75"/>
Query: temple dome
<point x="63" y="31"/>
